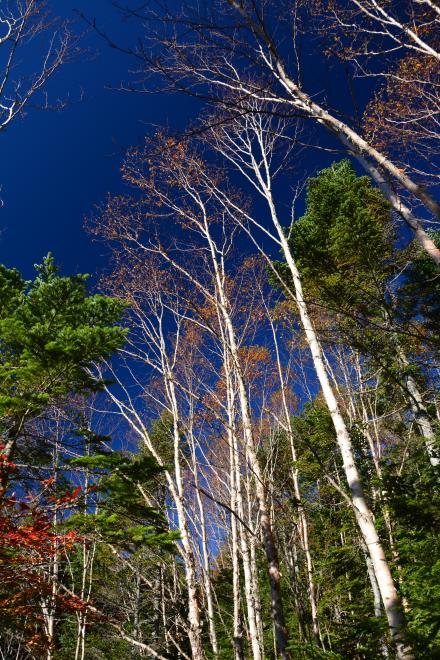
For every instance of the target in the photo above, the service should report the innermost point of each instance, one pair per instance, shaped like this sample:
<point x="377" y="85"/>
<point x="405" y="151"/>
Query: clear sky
<point x="56" y="166"/>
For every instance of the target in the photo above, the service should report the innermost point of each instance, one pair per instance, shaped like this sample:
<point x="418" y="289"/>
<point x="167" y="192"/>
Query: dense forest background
<point x="224" y="442"/>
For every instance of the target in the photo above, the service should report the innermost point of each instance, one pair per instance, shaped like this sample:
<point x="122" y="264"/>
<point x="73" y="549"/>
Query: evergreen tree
<point x="51" y="332"/>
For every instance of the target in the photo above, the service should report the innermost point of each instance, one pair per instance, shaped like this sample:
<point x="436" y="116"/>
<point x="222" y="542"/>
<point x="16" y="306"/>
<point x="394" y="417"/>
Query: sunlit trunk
<point x="363" y="514"/>
<point x="254" y="640"/>
<point x="303" y="524"/>
<point x="264" y="518"/>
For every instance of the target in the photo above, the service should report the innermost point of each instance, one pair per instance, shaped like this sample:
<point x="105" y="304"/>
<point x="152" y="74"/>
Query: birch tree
<point x="250" y="149"/>
<point x="232" y="53"/>
<point x="24" y="23"/>
<point x="177" y="194"/>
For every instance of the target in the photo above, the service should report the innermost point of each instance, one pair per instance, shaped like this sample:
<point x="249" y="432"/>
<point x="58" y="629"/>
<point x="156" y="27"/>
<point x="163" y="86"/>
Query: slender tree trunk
<point x="49" y="604"/>
<point x="303" y="525"/>
<point x="377" y="602"/>
<point x="237" y="634"/>
<point x="291" y="553"/>
<point x="310" y="577"/>
<point x="253" y="542"/>
<point x="265" y="524"/>
<point x="363" y="514"/>
<point x="235" y="469"/>
<point x="137" y="608"/>
<point x="163" y="608"/>
<point x="421" y="416"/>
<point x="157" y="610"/>
<point x="206" y="564"/>
<point x="194" y="615"/>
<point x="87" y="556"/>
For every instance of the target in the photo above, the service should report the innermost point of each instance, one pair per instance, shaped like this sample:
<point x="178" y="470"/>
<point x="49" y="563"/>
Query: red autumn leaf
<point x="48" y="482"/>
<point x="76" y="491"/>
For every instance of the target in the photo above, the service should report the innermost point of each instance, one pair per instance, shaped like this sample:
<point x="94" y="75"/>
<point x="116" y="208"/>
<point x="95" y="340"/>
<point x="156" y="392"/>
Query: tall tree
<point x="51" y="331"/>
<point x="236" y="52"/>
<point x="346" y="252"/>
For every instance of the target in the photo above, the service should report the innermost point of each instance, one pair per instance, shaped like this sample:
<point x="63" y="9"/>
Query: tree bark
<point x="363" y="514"/>
<point x="375" y="163"/>
<point x="255" y="642"/>
<point x="265" y="523"/>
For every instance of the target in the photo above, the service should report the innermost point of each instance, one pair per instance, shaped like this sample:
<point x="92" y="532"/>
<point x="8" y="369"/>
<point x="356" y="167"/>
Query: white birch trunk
<point x="194" y="615"/>
<point x="421" y="416"/>
<point x="266" y="528"/>
<point x="303" y="525"/>
<point x="363" y="514"/>
<point x="205" y="554"/>
<point x="237" y="627"/>
<point x="255" y="643"/>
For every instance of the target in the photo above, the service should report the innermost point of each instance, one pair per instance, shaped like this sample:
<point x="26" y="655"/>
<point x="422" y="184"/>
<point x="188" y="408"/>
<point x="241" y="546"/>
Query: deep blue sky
<point x="56" y="165"/>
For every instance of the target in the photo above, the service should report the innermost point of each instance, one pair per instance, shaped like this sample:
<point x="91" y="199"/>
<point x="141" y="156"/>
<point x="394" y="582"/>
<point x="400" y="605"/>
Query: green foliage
<point x="124" y="517"/>
<point x="345" y="600"/>
<point x="223" y="584"/>
<point x="343" y="235"/>
<point x="419" y="295"/>
<point x="161" y="434"/>
<point x="51" y="330"/>
<point x="414" y="501"/>
<point x="100" y="645"/>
